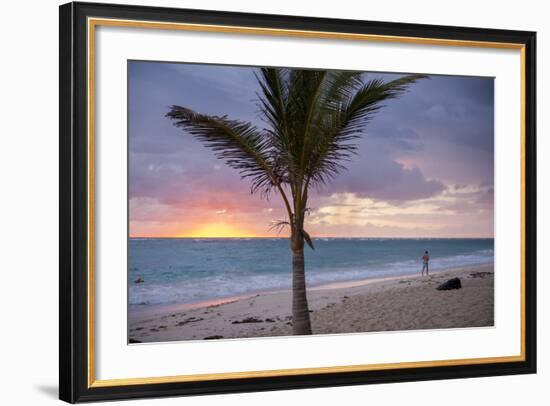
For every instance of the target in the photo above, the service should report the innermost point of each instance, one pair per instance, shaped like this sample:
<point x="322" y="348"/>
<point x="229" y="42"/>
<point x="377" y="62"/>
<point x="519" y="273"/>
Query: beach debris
<point x="134" y="341"/>
<point x="248" y="320"/>
<point x="139" y="280"/>
<point x="189" y="320"/>
<point x="453" y="283"/>
<point x="268" y="320"/>
<point x="480" y="274"/>
<point x="222" y="303"/>
<point x="212" y="338"/>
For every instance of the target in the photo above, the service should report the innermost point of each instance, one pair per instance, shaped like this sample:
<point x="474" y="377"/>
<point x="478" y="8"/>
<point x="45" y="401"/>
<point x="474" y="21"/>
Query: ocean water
<point x="190" y="270"/>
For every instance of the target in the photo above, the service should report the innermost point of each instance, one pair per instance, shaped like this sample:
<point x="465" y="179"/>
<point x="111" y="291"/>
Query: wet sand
<point x="389" y="304"/>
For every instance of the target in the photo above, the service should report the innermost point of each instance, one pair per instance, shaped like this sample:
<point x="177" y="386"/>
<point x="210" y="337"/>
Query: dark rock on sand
<point x="450" y="284"/>
<point x="139" y="280"/>
<point x="248" y="320"/>
<point x="212" y="338"/>
<point x="189" y="320"/>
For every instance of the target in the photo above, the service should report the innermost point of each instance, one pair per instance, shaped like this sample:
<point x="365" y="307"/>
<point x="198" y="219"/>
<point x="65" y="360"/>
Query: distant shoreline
<point x="390" y="304"/>
<point x="159" y="308"/>
<point x="139" y="311"/>
<point x="194" y="272"/>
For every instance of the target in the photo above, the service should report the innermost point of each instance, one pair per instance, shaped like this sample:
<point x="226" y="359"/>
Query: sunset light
<point x="424" y="170"/>
<point x="219" y="230"/>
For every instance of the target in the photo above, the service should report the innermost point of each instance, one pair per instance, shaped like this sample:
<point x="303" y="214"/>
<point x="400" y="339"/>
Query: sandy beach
<point x="389" y="304"/>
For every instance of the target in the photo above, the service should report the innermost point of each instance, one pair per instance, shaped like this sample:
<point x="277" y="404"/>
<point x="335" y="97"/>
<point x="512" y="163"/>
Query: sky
<point x="424" y="168"/>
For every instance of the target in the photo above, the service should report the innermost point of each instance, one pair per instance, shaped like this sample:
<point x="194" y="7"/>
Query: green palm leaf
<point x="238" y="143"/>
<point x="344" y="121"/>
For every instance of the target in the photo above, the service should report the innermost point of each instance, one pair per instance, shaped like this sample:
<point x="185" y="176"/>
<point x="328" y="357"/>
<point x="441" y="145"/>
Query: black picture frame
<point x="73" y="255"/>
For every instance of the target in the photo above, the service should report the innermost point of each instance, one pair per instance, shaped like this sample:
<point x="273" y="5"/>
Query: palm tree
<point x="313" y="118"/>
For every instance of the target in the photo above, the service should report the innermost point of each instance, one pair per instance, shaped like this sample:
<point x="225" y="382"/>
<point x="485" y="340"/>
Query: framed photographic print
<point x="257" y="202"/>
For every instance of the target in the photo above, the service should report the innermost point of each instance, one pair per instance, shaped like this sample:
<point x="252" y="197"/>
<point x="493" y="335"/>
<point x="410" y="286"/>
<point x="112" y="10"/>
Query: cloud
<point x="424" y="166"/>
<point x="375" y="174"/>
<point x="466" y="210"/>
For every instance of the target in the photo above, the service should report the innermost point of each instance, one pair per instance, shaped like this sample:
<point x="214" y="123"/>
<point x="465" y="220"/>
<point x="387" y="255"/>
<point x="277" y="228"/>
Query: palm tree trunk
<point x="301" y="324"/>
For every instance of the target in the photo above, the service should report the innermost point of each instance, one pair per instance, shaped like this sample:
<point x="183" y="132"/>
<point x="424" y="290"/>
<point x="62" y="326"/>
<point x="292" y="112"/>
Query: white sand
<point x="398" y="303"/>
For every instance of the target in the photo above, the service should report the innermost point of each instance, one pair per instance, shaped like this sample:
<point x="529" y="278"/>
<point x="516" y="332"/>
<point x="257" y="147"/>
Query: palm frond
<point x="238" y="143"/>
<point x="308" y="239"/>
<point x="273" y="105"/>
<point x="273" y="98"/>
<point x="345" y="121"/>
<point x="369" y="98"/>
<point x="279" y="225"/>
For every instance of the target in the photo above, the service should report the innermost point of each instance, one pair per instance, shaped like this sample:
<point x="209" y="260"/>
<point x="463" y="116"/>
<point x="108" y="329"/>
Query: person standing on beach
<point x="425" y="261"/>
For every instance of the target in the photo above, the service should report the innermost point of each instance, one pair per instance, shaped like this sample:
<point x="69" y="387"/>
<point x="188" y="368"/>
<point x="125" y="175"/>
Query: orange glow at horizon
<point x="218" y="230"/>
<point x="455" y="213"/>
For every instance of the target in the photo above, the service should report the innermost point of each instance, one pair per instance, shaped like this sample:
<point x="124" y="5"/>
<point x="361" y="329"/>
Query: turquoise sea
<point x="189" y="270"/>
